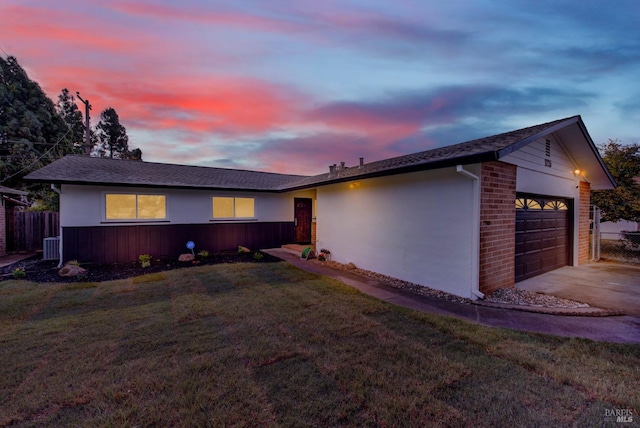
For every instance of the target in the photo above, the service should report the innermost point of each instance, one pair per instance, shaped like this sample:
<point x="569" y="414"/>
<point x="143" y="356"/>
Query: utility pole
<point x="87" y="131"/>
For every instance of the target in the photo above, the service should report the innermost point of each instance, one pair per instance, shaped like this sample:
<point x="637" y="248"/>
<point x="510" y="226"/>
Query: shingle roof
<point x="474" y="151"/>
<point x="78" y="169"/>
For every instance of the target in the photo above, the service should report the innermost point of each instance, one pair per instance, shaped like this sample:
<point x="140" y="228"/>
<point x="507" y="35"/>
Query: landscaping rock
<point x="351" y="266"/>
<point x="242" y="249"/>
<point x="71" y="271"/>
<point x="187" y="257"/>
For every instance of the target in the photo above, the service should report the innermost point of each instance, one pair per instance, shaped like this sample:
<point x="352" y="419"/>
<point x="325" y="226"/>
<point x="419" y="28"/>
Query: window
<point x="230" y="207"/>
<point x="555" y="205"/>
<point x="135" y="207"/>
<point x="527" y="204"/>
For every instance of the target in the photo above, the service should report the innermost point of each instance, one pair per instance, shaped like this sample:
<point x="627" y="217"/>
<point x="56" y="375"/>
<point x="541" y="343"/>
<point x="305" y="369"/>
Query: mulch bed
<point x="38" y="270"/>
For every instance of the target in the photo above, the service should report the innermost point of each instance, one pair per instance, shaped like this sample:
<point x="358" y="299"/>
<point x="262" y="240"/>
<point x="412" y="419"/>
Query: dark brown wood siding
<point x="121" y="244"/>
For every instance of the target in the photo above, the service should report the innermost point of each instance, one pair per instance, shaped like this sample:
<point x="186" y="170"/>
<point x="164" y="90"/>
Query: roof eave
<point x="524" y="142"/>
<point x="445" y="163"/>
<point x="596" y="153"/>
<point x="150" y="186"/>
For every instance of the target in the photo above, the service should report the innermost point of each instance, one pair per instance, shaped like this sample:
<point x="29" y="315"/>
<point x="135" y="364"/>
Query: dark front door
<point x="302" y="214"/>
<point x="542" y="235"/>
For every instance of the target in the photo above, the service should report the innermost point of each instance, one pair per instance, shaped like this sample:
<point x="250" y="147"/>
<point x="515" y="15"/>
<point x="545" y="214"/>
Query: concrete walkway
<point x="621" y="329"/>
<point x="611" y="286"/>
<point x="14" y="258"/>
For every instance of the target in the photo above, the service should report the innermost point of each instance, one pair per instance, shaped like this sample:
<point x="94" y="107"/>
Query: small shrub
<point x="258" y="256"/>
<point x="73" y="263"/>
<point x="19" y="273"/>
<point x="145" y="260"/>
<point x="203" y="254"/>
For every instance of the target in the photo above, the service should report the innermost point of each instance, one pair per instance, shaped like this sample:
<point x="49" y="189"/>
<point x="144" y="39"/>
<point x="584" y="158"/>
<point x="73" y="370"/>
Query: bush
<point x="19" y="273"/>
<point x="145" y="260"/>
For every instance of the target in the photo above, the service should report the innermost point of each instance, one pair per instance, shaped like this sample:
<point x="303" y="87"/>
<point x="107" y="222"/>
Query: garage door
<point x="542" y="235"/>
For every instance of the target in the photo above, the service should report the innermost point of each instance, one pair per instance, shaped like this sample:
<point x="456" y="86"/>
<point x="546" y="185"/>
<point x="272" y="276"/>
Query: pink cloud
<point x="220" y="17"/>
<point x="47" y="26"/>
<point x="195" y="103"/>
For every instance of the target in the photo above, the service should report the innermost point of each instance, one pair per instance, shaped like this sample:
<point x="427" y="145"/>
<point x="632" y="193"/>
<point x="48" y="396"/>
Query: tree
<point x="135" y="154"/>
<point x="31" y="130"/>
<point x="622" y="203"/>
<point x="72" y="116"/>
<point x="112" y="136"/>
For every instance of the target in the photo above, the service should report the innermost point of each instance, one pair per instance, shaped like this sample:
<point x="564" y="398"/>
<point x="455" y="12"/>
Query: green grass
<point x="270" y="345"/>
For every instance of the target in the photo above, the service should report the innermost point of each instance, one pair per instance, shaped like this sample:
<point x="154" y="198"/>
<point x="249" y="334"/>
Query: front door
<point x="302" y="214"/>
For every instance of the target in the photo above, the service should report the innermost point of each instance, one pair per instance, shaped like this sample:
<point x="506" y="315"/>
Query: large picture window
<point x="135" y="207"/>
<point x="230" y="207"/>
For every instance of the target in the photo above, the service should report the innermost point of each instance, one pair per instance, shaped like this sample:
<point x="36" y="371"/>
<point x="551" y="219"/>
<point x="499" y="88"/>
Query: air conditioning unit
<point x="51" y="248"/>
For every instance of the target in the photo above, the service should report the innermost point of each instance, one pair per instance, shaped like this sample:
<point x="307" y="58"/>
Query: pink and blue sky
<point x="293" y="87"/>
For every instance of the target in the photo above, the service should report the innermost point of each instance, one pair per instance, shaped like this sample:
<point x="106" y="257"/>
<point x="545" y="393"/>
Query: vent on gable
<point x="547" y="148"/>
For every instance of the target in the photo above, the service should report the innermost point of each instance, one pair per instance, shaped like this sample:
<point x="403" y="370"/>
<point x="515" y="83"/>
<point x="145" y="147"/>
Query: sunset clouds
<point x="295" y="86"/>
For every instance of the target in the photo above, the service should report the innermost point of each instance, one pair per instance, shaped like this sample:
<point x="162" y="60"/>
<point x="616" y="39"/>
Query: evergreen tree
<point x="32" y="133"/>
<point x="71" y="114"/>
<point x="113" y="141"/>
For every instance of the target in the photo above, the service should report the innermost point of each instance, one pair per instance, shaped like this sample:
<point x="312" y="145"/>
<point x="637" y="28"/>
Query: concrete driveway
<point x="603" y="285"/>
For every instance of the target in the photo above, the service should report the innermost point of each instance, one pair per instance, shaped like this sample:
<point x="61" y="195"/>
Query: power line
<point x="38" y="159"/>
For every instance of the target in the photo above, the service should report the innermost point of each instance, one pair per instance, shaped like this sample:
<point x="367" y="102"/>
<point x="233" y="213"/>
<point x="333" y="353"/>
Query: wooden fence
<point x="26" y="230"/>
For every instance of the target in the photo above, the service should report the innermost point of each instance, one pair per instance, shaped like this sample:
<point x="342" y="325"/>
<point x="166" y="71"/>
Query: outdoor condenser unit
<point x="51" y="248"/>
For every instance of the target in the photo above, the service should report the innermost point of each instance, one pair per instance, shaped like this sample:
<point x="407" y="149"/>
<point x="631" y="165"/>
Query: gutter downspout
<point x="475" y="238"/>
<point x="59" y="192"/>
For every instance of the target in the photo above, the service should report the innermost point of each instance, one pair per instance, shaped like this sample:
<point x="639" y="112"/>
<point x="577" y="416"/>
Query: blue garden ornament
<point x="191" y="245"/>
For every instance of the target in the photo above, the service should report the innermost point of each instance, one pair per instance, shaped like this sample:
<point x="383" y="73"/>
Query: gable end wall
<point x="497" y="226"/>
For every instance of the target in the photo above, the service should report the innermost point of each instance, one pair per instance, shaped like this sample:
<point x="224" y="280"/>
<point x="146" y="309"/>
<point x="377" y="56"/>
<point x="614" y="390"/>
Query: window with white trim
<point x="121" y="206"/>
<point x="225" y="207"/>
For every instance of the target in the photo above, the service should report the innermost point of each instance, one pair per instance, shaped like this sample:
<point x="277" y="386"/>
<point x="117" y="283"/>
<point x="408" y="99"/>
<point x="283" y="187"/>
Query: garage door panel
<point x="542" y="236"/>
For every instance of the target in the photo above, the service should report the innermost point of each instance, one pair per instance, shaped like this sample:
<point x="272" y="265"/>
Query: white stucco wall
<point x="417" y="227"/>
<point x="553" y="178"/>
<point x="85" y="205"/>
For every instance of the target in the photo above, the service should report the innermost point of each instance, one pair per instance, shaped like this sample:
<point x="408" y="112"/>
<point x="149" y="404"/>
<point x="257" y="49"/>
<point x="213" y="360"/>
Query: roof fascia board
<point x="596" y="153"/>
<point x="154" y="186"/>
<point x="465" y="160"/>
<point x="520" y="144"/>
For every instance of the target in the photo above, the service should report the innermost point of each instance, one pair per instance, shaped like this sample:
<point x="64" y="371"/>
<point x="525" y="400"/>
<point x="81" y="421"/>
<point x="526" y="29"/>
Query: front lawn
<point x="270" y="345"/>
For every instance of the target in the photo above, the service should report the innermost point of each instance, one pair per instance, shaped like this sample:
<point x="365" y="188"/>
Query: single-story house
<point x="467" y="218"/>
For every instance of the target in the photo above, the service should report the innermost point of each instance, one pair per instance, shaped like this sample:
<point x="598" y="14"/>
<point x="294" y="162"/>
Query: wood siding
<point x="545" y="155"/>
<point x="121" y="244"/>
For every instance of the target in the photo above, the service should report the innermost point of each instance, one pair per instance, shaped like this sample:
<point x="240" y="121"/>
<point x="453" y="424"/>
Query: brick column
<point x="314" y="237"/>
<point x="497" y="226"/>
<point x="583" y="222"/>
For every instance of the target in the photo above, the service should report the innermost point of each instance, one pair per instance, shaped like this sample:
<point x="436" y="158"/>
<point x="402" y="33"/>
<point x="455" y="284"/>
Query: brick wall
<point x="314" y="237"/>
<point x="497" y="226"/>
<point x="583" y="222"/>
